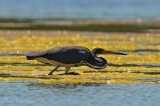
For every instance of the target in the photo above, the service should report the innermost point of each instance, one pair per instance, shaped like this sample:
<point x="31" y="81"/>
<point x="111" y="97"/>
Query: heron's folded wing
<point x="67" y="56"/>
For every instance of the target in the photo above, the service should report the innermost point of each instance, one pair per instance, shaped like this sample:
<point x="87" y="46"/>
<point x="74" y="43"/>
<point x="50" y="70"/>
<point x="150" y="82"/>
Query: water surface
<point x="80" y="9"/>
<point x="35" y="94"/>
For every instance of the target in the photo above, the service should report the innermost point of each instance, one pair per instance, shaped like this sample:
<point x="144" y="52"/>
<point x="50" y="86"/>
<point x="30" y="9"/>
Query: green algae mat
<point x="141" y="65"/>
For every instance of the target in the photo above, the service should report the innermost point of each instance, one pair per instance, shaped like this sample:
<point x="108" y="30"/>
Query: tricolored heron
<point x="71" y="56"/>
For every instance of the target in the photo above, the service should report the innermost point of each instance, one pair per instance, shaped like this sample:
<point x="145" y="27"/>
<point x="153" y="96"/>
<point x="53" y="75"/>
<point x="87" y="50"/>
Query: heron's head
<point x="103" y="51"/>
<point x="98" y="51"/>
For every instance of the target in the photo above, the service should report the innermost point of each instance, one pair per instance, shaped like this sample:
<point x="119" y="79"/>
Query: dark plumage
<point x="66" y="54"/>
<point x="71" y="56"/>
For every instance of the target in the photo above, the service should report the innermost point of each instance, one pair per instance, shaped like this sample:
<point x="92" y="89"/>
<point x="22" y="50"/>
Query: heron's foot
<point x="50" y="74"/>
<point x="70" y="73"/>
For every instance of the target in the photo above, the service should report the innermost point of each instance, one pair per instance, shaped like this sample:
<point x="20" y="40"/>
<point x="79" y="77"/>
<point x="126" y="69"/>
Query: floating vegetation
<point x="141" y="65"/>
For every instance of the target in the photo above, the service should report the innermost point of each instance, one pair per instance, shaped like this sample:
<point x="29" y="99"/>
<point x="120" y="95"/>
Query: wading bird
<point x="71" y="56"/>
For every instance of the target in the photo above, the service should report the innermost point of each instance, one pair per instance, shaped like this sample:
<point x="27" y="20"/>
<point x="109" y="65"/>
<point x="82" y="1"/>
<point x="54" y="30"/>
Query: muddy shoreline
<point x="138" y="26"/>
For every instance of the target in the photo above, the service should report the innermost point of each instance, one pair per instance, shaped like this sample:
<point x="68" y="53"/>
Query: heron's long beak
<point x="116" y="53"/>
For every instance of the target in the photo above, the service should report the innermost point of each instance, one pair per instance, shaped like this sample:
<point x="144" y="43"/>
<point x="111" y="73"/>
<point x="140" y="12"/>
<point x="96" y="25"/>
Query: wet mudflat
<point x="126" y="79"/>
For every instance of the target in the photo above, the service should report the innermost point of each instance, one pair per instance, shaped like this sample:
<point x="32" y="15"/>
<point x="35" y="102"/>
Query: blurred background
<point x="95" y="15"/>
<point x="80" y="9"/>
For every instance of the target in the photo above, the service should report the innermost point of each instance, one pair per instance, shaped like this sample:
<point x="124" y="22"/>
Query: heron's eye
<point x="102" y="51"/>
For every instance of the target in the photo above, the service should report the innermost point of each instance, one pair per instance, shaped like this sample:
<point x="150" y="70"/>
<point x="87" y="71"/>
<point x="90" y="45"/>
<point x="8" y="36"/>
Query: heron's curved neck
<point x="96" y="62"/>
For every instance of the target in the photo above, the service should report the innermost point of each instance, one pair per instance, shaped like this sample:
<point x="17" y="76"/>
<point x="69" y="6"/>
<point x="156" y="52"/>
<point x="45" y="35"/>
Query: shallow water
<point x="81" y="9"/>
<point x="35" y="94"/>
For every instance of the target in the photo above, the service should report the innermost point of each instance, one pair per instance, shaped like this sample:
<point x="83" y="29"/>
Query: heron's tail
<point x="33" y="55"/>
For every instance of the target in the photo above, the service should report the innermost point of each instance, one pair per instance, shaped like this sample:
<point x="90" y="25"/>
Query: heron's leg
<point x="67" y="69"/>
<point x="54" y="70"/>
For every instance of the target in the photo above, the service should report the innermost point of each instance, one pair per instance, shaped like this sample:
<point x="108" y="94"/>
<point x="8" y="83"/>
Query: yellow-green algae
<point x="136" y="67"/>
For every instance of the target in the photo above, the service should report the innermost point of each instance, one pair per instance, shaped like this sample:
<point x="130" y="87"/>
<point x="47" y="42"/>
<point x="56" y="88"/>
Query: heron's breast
<point x="45" y="60"/>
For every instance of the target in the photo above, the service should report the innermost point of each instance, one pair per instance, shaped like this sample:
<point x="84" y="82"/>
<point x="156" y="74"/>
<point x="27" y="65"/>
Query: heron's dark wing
<point x="67" y="55"/>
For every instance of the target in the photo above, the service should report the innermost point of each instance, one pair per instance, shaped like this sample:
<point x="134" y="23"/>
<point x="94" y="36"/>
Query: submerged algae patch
<point x="121" y="69"/>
